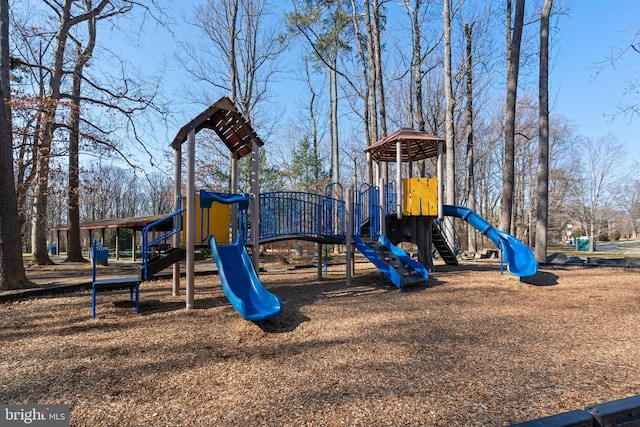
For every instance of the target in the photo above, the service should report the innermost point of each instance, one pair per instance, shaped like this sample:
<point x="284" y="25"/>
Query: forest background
<point x="99" y="89"/>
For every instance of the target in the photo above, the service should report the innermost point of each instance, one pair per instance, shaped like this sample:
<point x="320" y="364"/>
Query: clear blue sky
<point x="586" y="87"/>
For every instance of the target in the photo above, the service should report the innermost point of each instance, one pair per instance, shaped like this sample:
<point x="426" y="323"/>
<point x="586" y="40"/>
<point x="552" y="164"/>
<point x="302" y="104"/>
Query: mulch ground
<point x="476" y="348"/>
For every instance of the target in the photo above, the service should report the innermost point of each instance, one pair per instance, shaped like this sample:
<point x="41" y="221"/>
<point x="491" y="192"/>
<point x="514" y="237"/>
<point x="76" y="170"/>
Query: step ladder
<point x="441" y="245"/>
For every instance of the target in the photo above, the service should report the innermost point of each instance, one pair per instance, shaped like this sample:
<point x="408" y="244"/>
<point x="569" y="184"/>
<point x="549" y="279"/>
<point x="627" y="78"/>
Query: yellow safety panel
<point x="209" y="221"/>
<point x="420" y="197"/>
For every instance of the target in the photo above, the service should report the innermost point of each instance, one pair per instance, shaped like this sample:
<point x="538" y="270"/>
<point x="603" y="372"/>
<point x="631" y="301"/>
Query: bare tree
<point x="74" y="246"/>
<point x="376" y="30"/>
<point x="469" y="162"/>
<point x="66" y="21"/>
<point x="371" y="91"/>
<point x="450" y="174"/>
<point x="368" y="104"/>
<point x="542" y="212"/>
<point x="160" y="194"/>
<point x="239" y="52"/>
<point x="12" y="274"/>
<point x="508" y="174"/>
<point x="599" y="161"/>
<point x="237" y="56"/>
<point x="628" y="201"/>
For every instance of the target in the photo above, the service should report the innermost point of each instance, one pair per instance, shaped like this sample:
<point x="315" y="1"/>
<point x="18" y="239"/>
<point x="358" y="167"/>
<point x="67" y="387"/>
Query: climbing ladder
<point x="442" y="246"/>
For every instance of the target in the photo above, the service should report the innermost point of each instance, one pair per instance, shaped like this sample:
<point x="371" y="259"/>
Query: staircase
<point x="160" y="262"/>
<point x="440" y="243"/>
<point x="393" y="262"/>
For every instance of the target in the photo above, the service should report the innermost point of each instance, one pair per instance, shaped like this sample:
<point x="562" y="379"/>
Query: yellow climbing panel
<point x="420" y="197"/>
<point x="215" y="220"/>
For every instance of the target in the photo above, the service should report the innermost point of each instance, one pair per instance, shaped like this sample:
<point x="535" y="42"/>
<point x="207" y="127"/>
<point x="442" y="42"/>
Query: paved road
<point x="627" y="247"/>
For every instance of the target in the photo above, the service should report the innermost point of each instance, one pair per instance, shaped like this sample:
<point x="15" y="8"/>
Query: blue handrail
<point x="368" y="209"/>
<point x="390" y="197"/>
<point x="334" y="187"/>
<point x="206" y="201"/>
<point x="146" y="243"/>
<point x="296" y="213"/>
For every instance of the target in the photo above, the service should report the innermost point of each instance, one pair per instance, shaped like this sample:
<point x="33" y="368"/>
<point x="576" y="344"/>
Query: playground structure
<point x="373" y="219"/>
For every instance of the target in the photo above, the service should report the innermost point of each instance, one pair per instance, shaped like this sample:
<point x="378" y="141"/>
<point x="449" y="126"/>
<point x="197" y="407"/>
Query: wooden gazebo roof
<point x="416" y="145"/>
<point x="225" y="120"/>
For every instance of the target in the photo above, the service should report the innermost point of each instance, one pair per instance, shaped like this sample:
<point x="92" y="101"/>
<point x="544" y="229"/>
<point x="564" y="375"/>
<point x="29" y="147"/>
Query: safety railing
<point x="207" y="198"/>
<point x="456" y="244"/>
<point x="148" y="243"/>
<point x="367" y="210"/>
<point x="294" y="213"/>
<point x="390" y="198"/>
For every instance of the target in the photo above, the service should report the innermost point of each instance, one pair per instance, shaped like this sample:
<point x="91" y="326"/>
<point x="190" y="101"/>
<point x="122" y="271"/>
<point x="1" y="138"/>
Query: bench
<point x="117" y="283"/>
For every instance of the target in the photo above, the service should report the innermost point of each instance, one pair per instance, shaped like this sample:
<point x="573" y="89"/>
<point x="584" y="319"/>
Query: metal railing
<point x="242" y="202"/>
<point x="367" y="210"/>
<point x="390" y="198"/>
<point x="294" y="213"/>
<point x="147" y="243"/>
<point x="456" y="244"/>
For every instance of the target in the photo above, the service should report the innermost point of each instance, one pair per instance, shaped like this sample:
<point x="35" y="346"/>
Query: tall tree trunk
<point x="508" y="166"/>
<point x="314" y="125"/>
<point x="26" y="161"/>
<point x="39" y="253"/>
<point x="26" y="173"/>
<point x="542" y="212"/>
<point x="362" y="50"/>
<point x="377" y="51"/>
<point x="74" y="246"/>
<point x="508" y="30"/>
<point x="12" y="274"/>
<point x="233" y="66"/>
<point x="371" y="84"/>
<point x="336" y="139"/>
<point x="472" y="243"/>
<point x="331" y="121"/>
<point x="450" y="177"/>
<point x="417" y="66"/>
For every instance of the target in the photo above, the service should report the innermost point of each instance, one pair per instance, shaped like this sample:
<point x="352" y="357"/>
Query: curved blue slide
<point x="240" y="282"/>
<point x="518" y="256"/>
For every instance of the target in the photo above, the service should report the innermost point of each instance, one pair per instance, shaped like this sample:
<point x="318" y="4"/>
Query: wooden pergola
<point x="236" y="133"/>
<point x="409" y="145"/>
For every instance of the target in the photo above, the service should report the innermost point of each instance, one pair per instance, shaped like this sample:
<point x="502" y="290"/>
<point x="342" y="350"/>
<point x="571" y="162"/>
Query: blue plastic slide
<point x="518" y="256"/>
<point x="240" y="282"/>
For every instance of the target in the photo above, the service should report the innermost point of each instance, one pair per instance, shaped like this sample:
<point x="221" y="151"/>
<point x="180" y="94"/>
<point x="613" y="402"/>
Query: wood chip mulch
<point x="476" y="348"/>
